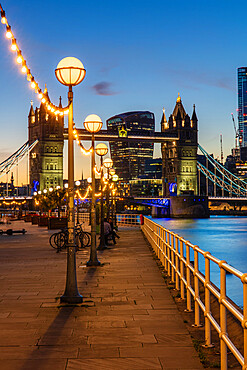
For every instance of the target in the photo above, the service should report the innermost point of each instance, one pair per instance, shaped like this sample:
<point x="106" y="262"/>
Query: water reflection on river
<point x="224" y="237"/>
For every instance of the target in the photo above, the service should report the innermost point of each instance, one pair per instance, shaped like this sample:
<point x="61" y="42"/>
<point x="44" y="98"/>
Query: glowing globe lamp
<point x="101" y="149"/>
<point x="93" y="123"/>
<point x="70" y="71"/>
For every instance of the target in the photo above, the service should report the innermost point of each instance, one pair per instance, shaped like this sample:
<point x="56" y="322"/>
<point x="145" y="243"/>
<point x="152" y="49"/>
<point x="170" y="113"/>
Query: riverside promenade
<point x="128" y="319"/>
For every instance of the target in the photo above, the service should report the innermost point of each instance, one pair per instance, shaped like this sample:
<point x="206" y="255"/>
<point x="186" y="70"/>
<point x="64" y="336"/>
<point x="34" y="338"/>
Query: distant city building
<point x="129" y="157"/>
<point x="46" y="158"/>
<point x="6" y="189"/>
<point x="153" y="168"/>
<point x="146" y="187"/>
<point x="242" y="104"/>
<point x="180" y="156"/>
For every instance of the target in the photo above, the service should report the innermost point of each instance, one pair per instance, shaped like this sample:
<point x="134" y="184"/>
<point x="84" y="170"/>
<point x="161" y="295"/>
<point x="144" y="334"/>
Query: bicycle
<point x="59" y="240"/>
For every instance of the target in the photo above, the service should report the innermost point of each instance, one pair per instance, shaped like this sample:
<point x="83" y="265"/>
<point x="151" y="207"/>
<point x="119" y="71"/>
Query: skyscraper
<point x="242" y="104"/>
<point x="129" y="157"/>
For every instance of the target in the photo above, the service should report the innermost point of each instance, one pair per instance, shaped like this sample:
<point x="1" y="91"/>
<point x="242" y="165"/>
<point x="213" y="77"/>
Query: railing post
<point x="169" y="254"/>
<point x="177" y="263"/>
<point x="182" y="269"/>
<point x="162" y="246"/>
<point x="172" y="258"/>
<point x="166" y="251"/>
<point x="158" y="241"/>
<point x="196" y="287"/>
<point x="244" y="324"/>
<point x="208" y="342"/>
<point x="223" y="317"/>
<point x="188" y="279"/>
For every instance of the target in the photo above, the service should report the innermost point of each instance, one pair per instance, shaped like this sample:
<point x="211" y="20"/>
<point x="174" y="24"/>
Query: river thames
<point x="224" y="237"/>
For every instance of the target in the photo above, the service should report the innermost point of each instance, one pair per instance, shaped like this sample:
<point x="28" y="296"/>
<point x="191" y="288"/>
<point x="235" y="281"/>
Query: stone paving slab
<point x="128" y="319"/>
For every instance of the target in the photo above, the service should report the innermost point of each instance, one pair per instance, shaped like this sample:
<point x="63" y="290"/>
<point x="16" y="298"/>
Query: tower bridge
<point x="182" y="173"/>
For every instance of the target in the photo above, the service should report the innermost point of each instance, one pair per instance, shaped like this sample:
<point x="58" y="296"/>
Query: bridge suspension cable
<point x="227" y="181"/>
<point x="16" y="157"/>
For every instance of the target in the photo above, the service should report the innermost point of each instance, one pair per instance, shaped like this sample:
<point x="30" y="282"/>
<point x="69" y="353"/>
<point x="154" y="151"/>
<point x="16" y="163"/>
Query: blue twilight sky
<point x="138" y="55"/>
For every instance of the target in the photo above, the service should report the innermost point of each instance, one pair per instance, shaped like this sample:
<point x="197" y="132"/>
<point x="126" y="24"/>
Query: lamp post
<point x="70" y="72"/>
<point x="108" y="163"/>
<point x="93" y="124"/>
<point x="101" y="150"/>
<point x="114" y="179"/>
<point x="78" y="183"/>
<point x="112" y="173"/>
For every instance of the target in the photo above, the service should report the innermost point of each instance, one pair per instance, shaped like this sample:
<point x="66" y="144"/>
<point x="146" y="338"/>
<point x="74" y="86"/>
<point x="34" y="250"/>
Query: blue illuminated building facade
<point x="242" y="104"/>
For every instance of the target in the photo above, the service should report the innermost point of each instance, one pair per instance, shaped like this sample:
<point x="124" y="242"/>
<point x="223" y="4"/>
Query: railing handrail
<point x="130" y="219"/>
<point x="174" y="253"/>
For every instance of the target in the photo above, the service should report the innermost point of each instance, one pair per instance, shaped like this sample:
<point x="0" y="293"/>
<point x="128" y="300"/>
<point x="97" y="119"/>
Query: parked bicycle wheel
<point x="84" y="240"/>
<point x="60" y="239"/>
<point x="88" y="236"/>
<point x="52" y="241"/>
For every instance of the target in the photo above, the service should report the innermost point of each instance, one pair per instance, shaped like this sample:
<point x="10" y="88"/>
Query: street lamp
<point x="101" y="150"/>
<point x="112" y="173"/>
<point x="93" y="124"/>
<point x="70" y="72"/>
<point x="77" y="183"/>
<point x="114" y="179"/>
<point x="108" y="163"/>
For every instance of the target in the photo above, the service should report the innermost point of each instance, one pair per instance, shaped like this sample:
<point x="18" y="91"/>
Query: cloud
<point x="103" y="88"/>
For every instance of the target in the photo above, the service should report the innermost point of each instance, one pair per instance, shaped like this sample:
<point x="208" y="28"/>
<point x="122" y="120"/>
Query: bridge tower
<point x="46" y="159"/>
<point x="179" y="158"/>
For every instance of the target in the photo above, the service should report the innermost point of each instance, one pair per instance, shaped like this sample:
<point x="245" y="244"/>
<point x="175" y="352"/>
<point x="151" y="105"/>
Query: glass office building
<point x="242" y="104"/>
<point x="129" y="156"/>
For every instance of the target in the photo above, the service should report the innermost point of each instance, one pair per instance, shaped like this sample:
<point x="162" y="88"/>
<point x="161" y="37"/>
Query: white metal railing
<point x="83" y="217"/>
<point x="122" y="219"/>
<point x="175" y="255"/>
<point x="128" y="219"/>
<point x="55" y="214"/>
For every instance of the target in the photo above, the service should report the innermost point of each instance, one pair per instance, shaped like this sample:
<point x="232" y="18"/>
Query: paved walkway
<point x="128" y="319"/>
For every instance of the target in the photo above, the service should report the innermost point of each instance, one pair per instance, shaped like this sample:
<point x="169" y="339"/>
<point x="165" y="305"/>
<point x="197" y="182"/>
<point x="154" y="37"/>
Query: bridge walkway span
<point x="128" y="319"/>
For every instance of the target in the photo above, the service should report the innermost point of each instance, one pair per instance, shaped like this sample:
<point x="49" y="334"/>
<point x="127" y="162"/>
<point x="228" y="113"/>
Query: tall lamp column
<point x="78" y="183"/>
<point x="114" y="179"/>
<point x="70" y="72"/>
<point x="108" y="163"/>
<point x="93" y="124"/>
<point x="101" y="150"/>
<point x="112" y="173"/>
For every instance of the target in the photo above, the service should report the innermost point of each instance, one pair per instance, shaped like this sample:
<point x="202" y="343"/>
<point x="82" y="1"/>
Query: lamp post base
<point x="93" y="263"/>
<point x="72" y="300"/>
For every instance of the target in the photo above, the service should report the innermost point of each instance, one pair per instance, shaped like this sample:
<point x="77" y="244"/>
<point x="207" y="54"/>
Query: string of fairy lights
<point x="42" y="95"/>
<point x="13" y="202"/>
<point x="83" y="149"/>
